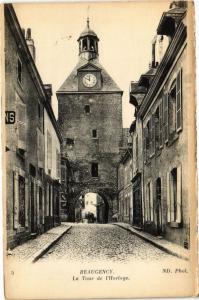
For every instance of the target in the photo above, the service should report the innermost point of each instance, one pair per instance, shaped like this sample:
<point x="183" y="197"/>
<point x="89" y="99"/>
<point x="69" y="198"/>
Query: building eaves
<point x="11" y="17"/>
<point x="126" y="155"/>
<point x="169" y="57"/>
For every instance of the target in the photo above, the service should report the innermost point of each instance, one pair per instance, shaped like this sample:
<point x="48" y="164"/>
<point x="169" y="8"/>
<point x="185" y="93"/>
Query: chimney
<point x="153" y="62"/>
<point x="48" y="89"/>
<point x="23" y="31"/>
<point x="30" y="43"/>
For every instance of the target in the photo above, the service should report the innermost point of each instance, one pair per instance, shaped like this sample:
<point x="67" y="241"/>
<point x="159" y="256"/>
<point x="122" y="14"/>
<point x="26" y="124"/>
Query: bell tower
<point x="88" y="43"/>
<point x="90" y="120"/>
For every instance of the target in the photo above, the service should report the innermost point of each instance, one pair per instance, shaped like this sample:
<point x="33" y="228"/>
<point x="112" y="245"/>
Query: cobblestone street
<point x="96" y="242"/>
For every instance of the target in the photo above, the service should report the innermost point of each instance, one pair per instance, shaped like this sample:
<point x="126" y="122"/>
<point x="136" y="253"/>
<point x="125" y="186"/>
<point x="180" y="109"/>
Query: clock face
<point x="89" y="80"/>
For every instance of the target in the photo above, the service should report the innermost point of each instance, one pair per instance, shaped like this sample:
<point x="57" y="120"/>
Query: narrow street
<point x="97" y="242"/>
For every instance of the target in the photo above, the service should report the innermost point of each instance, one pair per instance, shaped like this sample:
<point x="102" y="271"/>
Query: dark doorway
<point x="158" y="206"/>
<point x="32" y="200"/>
<point x="137" y="202"/>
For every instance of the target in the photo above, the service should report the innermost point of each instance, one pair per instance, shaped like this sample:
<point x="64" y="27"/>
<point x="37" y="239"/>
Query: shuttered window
<point x="165" y="118"/>
<point x="144" y="143"/>
<point x="40" y="148"/>
<point x="174" y="195"/>
<point x="168" y="198"/>
<point x="149" y="125"/>
<point x="179" y="101"/>
<point x="153" y="134"/>
<point x="21" y="123"/>
<point x="49" y="150"/>
<point x="160" y="125"/>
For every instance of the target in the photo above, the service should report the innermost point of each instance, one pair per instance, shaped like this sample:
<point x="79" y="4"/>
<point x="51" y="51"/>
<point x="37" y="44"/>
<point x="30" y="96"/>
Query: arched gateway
<point x="90" y="120"/>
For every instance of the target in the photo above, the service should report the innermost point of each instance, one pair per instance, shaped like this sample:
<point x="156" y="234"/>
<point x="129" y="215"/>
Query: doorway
<point x="158" y="206"/>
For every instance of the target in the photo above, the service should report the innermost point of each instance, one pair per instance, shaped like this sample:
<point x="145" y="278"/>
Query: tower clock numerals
<point x="89" y="80"/>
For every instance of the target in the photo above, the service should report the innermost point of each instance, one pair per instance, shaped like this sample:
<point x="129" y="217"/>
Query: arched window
<point x="84" y="44"/>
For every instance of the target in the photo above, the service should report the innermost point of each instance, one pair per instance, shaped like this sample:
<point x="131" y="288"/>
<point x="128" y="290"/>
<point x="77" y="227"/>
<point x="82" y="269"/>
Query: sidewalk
<point x="162" y="244"/>
<point x="33" y="249"/>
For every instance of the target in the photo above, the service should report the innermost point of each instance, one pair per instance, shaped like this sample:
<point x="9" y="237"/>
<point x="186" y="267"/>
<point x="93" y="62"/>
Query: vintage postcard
<point x="99" y="149"/>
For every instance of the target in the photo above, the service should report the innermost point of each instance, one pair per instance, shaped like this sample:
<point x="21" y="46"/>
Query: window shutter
<point x="179" y="101"/>
<point x="153" y="134"/>
<point x="144" y="144"/>
<point x="150" y="138"/>
<point x="40" y="148"/>
<point x="21" y="125"/>
<point x="16" y="200"/>
<point x="166" y="121"/>
<point x="168" y="198"/>
<point x="179" y="194"/>
<point x="49" y="151"/>
<point x="160" y="125"/>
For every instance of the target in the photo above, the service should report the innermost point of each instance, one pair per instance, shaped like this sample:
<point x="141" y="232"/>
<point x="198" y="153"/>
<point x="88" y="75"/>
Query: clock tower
<point x="90" y="119"/>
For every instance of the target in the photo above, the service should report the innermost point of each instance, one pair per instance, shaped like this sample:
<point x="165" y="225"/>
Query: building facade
<point x="52" y="146"/>
<point x="164" y="112"/>
<point x="89" y="114"/>
<point x="125" y="199"/>
<point x="26" y="97"/>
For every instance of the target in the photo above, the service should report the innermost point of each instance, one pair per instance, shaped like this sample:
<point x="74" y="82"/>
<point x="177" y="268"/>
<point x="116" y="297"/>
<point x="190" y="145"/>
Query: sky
<point x="125" y="30"/>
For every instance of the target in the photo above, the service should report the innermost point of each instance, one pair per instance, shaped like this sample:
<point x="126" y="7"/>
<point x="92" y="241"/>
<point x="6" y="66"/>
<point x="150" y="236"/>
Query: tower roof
<point x="88" y="32"/>
<point x="71" y="83"/>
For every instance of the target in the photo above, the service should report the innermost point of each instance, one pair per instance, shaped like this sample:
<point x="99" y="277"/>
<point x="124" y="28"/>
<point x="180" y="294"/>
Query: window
<point x="174" y="195"/>
<point x="149" y="202"/>
<point x="21" y="123"/>
<point x="94" y="133"/>
<point x="87" y="109"/>
<point x="165" y="118"/>
<point x="94" y="169"/>
<point x="172" y="110"/>
<point x="157" y="129"/>
<point x="49" y="151"/>
<point x="19" y="70"/>
<point x="70" y="142"/>
<point x="21" y="201"/>
<point x="92" y="45"/>
<point x="84" y="44"/>
<point x="161" y="124"/>
<point x="179" y="101"/>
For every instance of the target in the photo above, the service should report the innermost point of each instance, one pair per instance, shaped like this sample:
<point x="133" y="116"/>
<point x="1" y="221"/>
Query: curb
<point x="161" y="247"/>
<point x="40" y="253"/>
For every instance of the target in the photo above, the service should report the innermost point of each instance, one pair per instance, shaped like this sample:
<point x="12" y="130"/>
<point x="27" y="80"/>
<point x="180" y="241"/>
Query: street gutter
<point x="156" y="243"/>
<point x="47" y="247"/>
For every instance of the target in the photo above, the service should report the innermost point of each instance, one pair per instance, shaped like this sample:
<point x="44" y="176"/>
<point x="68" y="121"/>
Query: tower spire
<point x="88" y="17"/>
<point x="88" y="22"/>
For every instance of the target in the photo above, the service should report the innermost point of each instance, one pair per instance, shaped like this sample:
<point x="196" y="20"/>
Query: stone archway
<point x="106" y="198"/>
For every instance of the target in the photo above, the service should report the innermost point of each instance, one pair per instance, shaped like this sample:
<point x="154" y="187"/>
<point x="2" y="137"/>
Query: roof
<point x="87" y="32"/>
<point x="71" y="83"/>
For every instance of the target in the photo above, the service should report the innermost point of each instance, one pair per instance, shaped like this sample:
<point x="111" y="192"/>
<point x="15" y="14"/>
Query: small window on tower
<point x="87" y="109"/>
<point x="92" y="47"/>
<point x="94" y="133"/>
<point x="84" y="44"/>
<point x="94" y="170"/>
